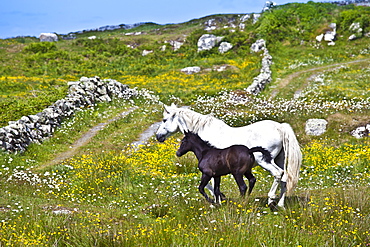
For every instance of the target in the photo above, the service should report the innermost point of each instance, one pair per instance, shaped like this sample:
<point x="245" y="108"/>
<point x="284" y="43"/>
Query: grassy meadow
<point x="112" y="194"/>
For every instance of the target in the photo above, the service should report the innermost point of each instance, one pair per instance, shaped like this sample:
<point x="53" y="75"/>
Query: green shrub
<point x="107" y="47"/>
<point x="17" y="108"/>
<point x="40" y="47"/>
<point x="295" y="22"/>
<point x="357" y="14"/>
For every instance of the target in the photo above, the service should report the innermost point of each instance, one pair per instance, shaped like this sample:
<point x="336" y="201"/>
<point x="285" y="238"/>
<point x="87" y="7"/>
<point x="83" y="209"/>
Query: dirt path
<point x="84" y="139"/>
<point x="149" y="132"/>
<point x="284" y="82"/>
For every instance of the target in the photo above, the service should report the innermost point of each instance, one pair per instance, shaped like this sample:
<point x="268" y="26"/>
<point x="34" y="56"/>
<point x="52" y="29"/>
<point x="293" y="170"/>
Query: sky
<point x="32" y="17"/>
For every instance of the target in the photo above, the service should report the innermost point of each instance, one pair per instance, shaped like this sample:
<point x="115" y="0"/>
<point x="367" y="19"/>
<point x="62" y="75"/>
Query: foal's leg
<point x="211" y="190"/>
<point x="242" y="186"/>
<point x="204" y="181"/>
<point x="251" y="179"/>
<point x="217" y="189"/>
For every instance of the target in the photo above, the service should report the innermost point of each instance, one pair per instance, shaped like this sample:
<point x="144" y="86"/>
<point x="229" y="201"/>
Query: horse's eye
<point x="164" y="120"/>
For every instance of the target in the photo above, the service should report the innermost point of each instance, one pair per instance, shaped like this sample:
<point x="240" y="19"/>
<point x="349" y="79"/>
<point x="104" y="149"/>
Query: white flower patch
<point x="312" y="61"/>
<point x="47" y="180"/>
<point x="225" y="106"/>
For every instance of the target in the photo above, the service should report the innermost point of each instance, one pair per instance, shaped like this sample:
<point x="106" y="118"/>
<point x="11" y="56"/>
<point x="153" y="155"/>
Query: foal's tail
<point x="266" y="154"/>
<point x="293" y="156"/>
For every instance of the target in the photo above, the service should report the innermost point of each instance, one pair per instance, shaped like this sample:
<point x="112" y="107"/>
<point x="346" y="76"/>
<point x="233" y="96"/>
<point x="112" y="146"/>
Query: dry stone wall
<point x="34" y="128"/>
<point x="260" y="81"/>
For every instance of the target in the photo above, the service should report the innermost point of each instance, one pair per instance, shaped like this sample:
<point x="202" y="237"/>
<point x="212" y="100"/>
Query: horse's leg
<point x="279" y="160"/>
<point x="252" y="181"/>
<point x="217" y="181"/>
<point x="241" y="184"/>
<point x="275" y="171"/>
<point x="210" y="188"/>
<point x="282" y="191"/>
<point x="272" y="194"/>
<point x="204" y="181"/>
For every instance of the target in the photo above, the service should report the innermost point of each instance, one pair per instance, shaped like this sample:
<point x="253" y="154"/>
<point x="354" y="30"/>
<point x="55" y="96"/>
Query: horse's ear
<point x="166" y="109"/>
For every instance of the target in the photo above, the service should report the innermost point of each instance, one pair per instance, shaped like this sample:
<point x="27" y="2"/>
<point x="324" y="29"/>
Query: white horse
<point x="278" y="138"/>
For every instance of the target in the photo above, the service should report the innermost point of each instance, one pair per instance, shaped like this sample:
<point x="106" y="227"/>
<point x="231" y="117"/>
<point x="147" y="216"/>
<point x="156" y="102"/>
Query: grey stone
<point x="208" y="41"/>
<point x="48" y="37"/>
<point x="258" y="46"/>
<point x="264" y="77"/>
<point x="362" y="131"/>
<point x="191" y="70"/>
<point x="315" y="126"/>
<point x="224" y="47"/>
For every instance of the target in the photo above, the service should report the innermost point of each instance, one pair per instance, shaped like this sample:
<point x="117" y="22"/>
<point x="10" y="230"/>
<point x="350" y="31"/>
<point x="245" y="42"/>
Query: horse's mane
<point x="196" y="122"/>
<point x="205" y="142"/>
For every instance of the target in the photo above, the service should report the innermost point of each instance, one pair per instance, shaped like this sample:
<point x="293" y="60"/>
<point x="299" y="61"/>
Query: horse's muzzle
<point x="160" y="138"/>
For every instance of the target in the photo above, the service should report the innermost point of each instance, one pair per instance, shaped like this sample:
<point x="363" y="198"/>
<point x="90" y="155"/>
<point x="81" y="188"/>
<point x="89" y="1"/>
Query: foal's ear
<point x="173" y="105"/>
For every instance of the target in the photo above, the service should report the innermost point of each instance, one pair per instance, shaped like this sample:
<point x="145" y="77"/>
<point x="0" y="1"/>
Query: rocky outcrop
<point x="146" y="52"/>
<point x="260" y="81"/>
<point x="191" y="70"/>
<point x="356" y="31"/>
<point x="35" y="128"/>
<point x="48" y="37"/>
<point x="175" y="44"/>
<point x="329" y="35"/>
<point x="315" y="127"/>
<point x="258" y="46"/>
<point x="218" y="68"/>
<point x="231" y="23"/>
<point x="208" y="41"/>
<point x="269" y="5"/>
<point x="224" y="47"/>
<point x="112" y="27"/>
<point x="362" y="131"/>
<point x="210" y="25"/>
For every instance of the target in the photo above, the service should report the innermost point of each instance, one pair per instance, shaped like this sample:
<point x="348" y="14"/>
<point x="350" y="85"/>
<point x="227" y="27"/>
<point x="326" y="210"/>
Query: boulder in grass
<point x="208" y="41"/>
<point x="48" y="37"/>
<point x="191" y="70"/>
<point x="315" y="126"/>
<point x="362" y="131"/>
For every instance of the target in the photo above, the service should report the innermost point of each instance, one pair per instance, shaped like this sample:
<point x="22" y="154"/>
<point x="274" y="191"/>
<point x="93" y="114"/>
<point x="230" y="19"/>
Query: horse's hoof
<point x="273" y="206"/>
<point x="280" y="206"/>
<point x="211" y="201"/>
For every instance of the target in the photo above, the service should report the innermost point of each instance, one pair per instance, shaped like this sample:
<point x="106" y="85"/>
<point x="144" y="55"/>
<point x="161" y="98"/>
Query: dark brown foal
<point x="214" y="163"/>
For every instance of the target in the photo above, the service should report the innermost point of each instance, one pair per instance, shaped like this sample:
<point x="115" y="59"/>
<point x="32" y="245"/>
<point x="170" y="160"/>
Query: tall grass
<point x="150" y="198"/>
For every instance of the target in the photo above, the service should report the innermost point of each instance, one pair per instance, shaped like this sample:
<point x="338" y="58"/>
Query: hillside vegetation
<point x="110" y="194"/>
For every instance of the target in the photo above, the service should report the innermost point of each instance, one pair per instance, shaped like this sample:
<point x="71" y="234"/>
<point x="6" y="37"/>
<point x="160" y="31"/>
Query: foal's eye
<point x="164" y="120"/>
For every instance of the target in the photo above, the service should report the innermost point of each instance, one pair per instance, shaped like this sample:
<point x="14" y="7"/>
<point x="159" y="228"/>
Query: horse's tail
<point x="293" y="157"/>
<point x="266" y="154"/>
